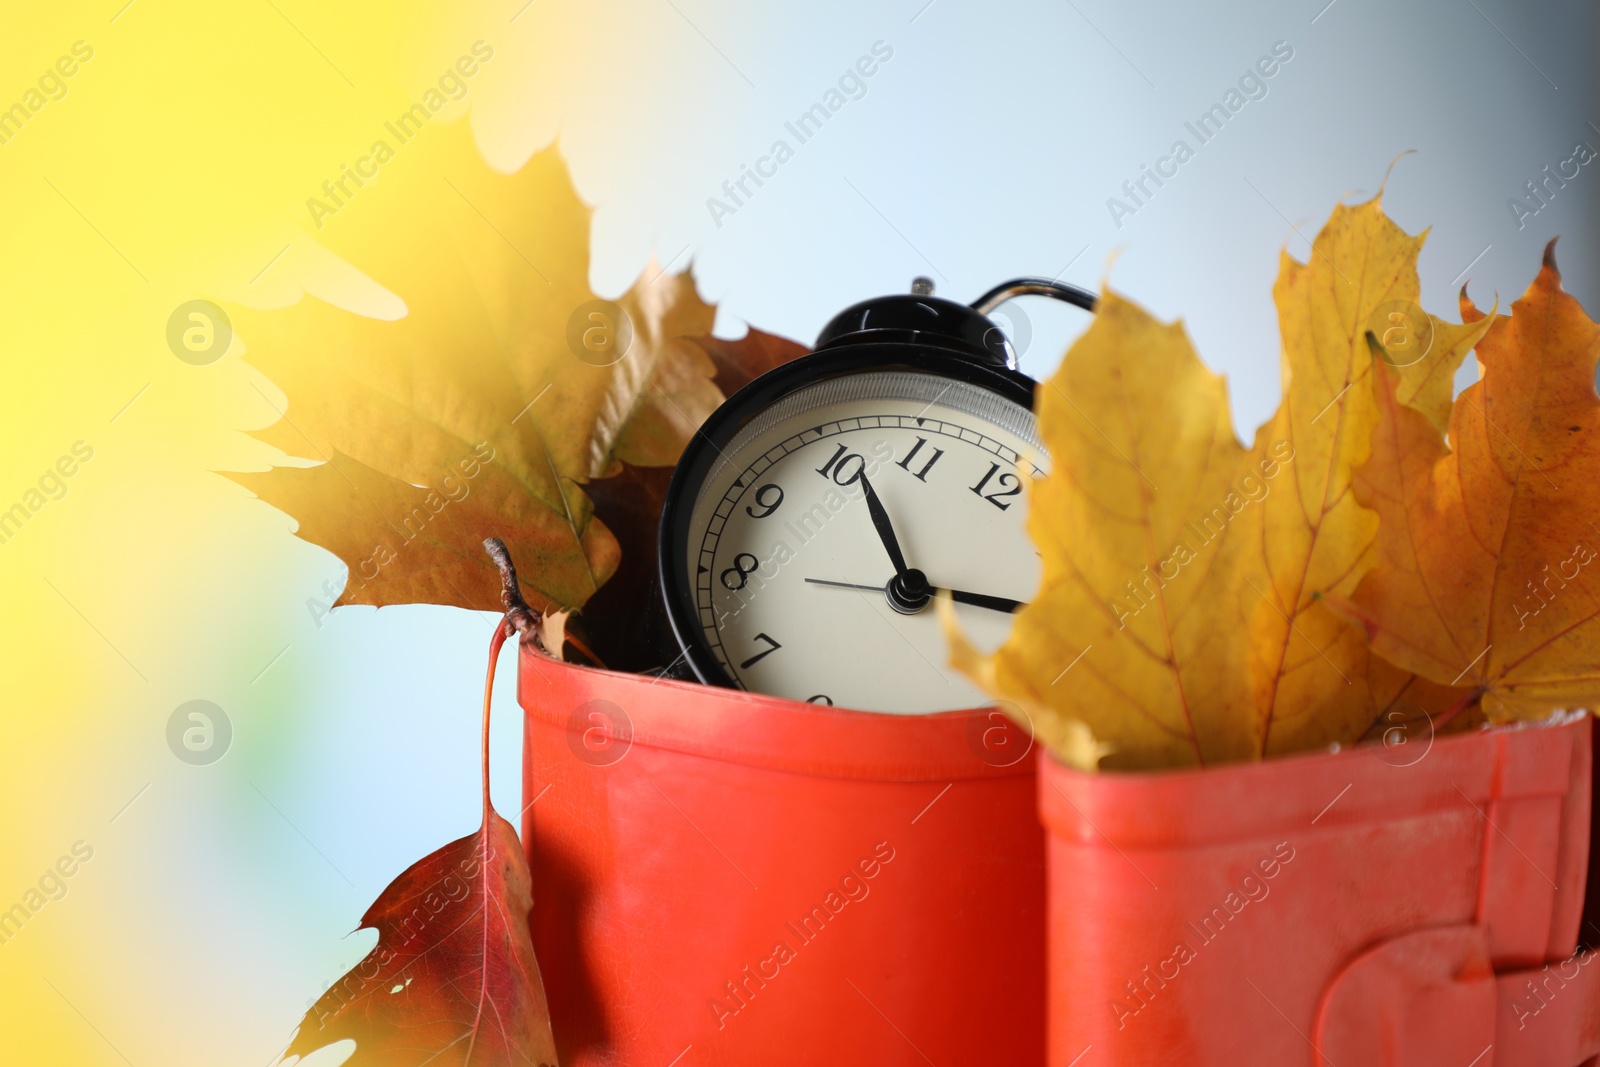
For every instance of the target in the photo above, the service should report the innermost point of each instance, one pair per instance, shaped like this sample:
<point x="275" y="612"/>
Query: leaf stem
<point x="577" y="642"/>
<point x="519" y="616"/>
<point x="496" y="643"/>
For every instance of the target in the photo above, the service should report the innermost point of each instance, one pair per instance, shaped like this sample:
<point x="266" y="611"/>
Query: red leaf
<point x="453" y="981"/>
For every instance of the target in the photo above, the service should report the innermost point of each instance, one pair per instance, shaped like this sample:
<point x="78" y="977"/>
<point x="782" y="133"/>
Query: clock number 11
<point x="921" y="475"/>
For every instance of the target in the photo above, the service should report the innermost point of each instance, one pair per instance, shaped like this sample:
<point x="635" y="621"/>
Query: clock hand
<point x="881" y="523"/>
<point x="978" y="600"/>
<point x="983" y="600"/>
<point x="845" y="585"/>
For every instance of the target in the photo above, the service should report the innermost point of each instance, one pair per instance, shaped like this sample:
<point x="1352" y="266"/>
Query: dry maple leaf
<point x="1141" y="443"/>
<point x="1312" y="679"/>
<point x="1179" y="615"/>
<point x="453" y="980"/>
<point x="740" y="362"/>
<point x="503" y="351"/>
<point x="626" y="622"/>
<point x="411" y="541"/>
<point x="1487" y="559"/>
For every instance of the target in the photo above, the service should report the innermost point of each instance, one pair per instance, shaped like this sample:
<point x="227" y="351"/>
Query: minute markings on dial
<point x="812" y="434"/>
<point x="927" y="428"/>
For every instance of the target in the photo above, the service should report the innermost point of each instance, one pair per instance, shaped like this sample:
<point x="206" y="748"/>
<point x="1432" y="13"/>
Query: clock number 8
<point x="837" y="464"/>
<point x="735" y="577"/>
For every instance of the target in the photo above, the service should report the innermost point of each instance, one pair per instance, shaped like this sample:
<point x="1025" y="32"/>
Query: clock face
<point x="791" y="549"/>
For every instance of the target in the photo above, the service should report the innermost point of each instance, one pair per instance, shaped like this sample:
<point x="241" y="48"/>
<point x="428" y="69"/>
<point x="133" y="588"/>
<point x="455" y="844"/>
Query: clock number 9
<point x="765" y="501"/>
<point x="735" y="577"/>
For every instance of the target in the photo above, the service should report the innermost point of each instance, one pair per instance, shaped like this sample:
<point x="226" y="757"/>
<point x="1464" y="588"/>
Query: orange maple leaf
<point x="1487" y="568"/>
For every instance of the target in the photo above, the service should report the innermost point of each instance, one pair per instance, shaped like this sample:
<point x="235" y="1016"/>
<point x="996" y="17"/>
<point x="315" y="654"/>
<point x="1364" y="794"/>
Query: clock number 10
<point x="998" y="495"/>
<point x="838" y="466"/>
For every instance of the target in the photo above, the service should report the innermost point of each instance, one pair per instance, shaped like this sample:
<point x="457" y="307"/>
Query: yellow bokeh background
<point x="176" y="166"/>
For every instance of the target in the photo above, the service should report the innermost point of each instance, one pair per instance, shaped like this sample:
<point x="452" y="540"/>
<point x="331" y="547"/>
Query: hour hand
<point x="881" y="523"/>
<point x="983" y="600"/>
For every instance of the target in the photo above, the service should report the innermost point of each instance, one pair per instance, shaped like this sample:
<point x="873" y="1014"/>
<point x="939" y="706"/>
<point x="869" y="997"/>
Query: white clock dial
<point x="783" y="532"/>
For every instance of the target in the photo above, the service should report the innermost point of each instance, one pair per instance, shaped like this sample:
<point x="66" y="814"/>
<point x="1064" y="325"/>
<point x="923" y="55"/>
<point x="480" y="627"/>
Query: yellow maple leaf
<point x="1178" y="617"/>
<point x="503" y="351"/>
<point x="1141" y="443"/>
<point x="1487" y="556"/>
<point x="1311" y="681"/>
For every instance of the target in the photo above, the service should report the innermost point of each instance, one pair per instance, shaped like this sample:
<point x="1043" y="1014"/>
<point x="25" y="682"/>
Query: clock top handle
<point x="919" y="317"/>
<point x="1070" y="294"/>
<point x="986" y="303"/>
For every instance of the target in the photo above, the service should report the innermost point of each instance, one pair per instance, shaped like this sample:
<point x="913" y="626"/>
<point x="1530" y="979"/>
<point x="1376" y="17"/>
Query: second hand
<point x="846" y="585"/>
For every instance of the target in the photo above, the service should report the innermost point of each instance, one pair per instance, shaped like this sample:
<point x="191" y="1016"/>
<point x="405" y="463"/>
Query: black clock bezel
<point x="704" y="447"/>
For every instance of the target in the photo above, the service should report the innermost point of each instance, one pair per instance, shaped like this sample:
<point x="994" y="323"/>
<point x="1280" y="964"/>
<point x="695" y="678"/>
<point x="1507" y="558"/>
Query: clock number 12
<point x="998" y="496"/>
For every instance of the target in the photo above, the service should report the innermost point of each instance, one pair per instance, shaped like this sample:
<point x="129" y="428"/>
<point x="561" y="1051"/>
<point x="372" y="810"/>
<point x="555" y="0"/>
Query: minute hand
<point x="881" y="523"/>
<point x="983" y="600"/>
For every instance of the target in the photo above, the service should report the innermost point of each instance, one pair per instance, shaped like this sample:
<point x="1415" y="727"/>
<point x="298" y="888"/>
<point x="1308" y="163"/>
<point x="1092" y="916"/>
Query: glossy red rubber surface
<point x="722" y="878"/>
<point x="1377" y="906"/>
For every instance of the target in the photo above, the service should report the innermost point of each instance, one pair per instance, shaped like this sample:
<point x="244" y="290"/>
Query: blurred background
<point x="174" y="162"/>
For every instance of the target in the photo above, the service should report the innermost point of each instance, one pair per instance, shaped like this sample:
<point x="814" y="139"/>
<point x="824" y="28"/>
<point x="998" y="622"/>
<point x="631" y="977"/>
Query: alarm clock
<point x="818" y="514"/>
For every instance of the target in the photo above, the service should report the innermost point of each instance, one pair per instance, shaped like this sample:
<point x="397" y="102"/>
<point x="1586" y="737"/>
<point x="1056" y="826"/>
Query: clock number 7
<point x="997" y="497"/>
<point x="759" y="656"/>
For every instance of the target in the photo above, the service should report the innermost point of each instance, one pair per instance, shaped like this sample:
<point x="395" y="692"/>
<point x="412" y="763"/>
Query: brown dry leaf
<point x="1487" y="565"/>
<point x="503" y="347"/>
<point x="740" y="362"/>
<point x="662" y="390"/>
<point x="625" y="623"/>
<point x="552" y="633"/>
<point x="1179" y="617"/>
<point x="418" y="539"/>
